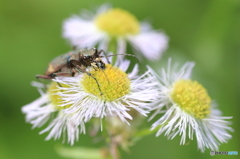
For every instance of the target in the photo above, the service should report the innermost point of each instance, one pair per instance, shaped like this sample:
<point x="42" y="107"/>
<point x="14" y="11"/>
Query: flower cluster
<point x="110" y="93"/>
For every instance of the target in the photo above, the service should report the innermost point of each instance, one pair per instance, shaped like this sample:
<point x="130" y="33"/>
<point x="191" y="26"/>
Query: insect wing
<point x="57" y="63"/>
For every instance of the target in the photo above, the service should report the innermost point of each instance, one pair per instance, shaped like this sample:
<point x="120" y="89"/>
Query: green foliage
<point x="79" y="152"/>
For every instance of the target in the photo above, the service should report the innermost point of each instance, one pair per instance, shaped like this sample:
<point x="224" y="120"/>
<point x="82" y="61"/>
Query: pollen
<point x="192" y="97"/>
<point x="117" y="22"/>
<point x="113" y="83"/>
<point x="54" y="97"/>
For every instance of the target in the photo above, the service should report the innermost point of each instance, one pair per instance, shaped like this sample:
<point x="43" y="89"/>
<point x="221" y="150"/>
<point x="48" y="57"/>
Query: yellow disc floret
<point x="55" y="99"/>
<point x="191" y="97"/>
<point x="113" y="83"/>
<point x="117" y="22"/>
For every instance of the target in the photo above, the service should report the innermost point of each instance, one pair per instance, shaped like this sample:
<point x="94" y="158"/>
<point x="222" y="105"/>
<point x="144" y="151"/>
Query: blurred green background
<point x="204" y="31"/>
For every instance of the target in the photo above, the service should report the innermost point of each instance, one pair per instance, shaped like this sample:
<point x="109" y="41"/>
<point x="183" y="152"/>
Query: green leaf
<point x="145" y="132"/>
<point x="79" y="152"/>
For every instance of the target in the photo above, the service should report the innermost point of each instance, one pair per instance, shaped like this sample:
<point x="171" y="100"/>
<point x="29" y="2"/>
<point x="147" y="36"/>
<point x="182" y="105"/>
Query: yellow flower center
<point x="191" y="97"/>
<point x="117" y="22"/>
<point x="54" y="98"/>
<point x="113" y="83"/>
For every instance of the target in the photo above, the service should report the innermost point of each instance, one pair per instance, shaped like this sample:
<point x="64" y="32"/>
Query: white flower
<point x="117" y="95"/>
<point x="188" y="110"/>
<point x="114" y="25"/>
<point x="45" y="109"/>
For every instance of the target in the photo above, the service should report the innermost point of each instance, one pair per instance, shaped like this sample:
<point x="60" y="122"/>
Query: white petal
<point x="121" y="46"/>
<point x="150" y="43"/>
<point x="82" y="33"/>
<point x="134" y="72"/>
<point x="210" y="132"/>
<point x="61" y="125"/>
<point x="39" y="111"/>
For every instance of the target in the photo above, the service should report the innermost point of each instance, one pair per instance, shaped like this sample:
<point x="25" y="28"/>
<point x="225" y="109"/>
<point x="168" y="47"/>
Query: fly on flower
<point x="77" y="62"/>
<point x="114" y="26"/>
<point x="74" y="62"/>
<point x="187" y="110"/>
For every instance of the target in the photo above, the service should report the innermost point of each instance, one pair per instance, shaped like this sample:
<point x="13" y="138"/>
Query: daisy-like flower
<point x="188" y="110"/>
<point x="114" y="25"/>
<point x="45" y="109"/>
<point x="117" y="93"/>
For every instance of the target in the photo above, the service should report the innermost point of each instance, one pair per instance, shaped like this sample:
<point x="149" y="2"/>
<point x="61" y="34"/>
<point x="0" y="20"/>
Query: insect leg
<point x="102" y="51"/>
<point x="43" y="77"/>
<point x="46" y="77"/>
<point x="65" y="74"/>
<point x="89" y="74"/>
<point x="105" y="76"/>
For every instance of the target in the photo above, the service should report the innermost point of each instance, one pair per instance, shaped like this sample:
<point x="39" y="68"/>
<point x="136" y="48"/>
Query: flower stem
<point x="112" y="47"/>
<point x="114" y="148"/>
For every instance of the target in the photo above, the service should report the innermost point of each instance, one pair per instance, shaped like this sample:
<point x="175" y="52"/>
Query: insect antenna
<point x="105" y="75"/>
<point x="121" y="54"/>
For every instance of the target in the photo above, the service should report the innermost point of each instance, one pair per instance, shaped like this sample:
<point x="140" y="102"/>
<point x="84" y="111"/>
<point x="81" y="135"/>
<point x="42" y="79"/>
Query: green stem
<point x="112" y="47"/>
<point x="114" y="149"/>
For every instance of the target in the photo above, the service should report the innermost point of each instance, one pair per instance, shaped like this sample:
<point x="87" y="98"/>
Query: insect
<point x="77" y="62"/>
